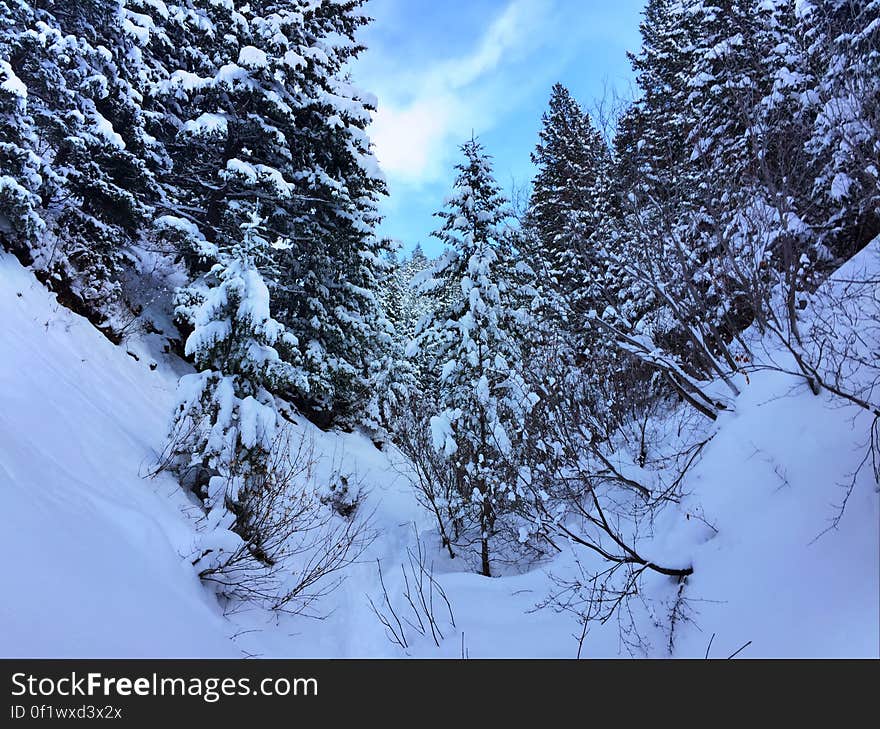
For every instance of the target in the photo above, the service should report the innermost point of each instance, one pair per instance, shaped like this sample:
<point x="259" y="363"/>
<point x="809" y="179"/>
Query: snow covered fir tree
<point x="474" y="341"/>
<point x="284" y="350"/>
<point x="226" y="424"/>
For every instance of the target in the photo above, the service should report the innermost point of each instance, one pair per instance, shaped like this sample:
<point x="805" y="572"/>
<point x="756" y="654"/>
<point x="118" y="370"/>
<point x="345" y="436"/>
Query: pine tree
<point x="474" y="342"/>
<point x="332" y="306"/>
<point x="671" y="294"/>
<point x="752" y="229"/>
<point x="727" y="80"/>
<point x="226" y="420"/>
<point x="680" y="151"/>
<point x="80" y="147"/>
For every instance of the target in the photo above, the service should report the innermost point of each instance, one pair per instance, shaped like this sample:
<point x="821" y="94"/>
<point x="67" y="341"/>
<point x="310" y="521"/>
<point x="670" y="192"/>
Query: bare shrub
<point x="416" y="608"/>
<point x="435" y="482"/>
<point x="600" y="494"/>
<point x="283" y="548"/>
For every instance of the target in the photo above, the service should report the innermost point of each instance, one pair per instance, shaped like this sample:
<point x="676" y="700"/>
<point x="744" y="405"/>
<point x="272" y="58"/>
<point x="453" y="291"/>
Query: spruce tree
<point x="226" y="421"/>
<point x="473" y="345"/>
<point x="408" y="305"/>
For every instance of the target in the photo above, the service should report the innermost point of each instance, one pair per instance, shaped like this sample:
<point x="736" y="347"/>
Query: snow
<point x="101" y="570"/>
<point x="499" y="435"/>
<point x="189" y="230"/>
<point x="105" y="129"/>
<point x="240" y="167"/>
<point x="448" y="369"/>
<point x="771" y="478"/>
<point x="12" y="84"/>
<point x="207" y="123"/>
<point x="230" y="73"/>
<point x="96" y="569"/>
<point x="251" y="57"/>
<point x="259" y="172"/>
<point x="482" y="390"/>
<point x="100" y="564"/>
<point x="442" y="433"/>
<point x="183" y="80"/>
<point x="840" y="185"/>
<point x="257" y="422"/>
<point x="13" y="186"/>
<point x="293" y="60"/>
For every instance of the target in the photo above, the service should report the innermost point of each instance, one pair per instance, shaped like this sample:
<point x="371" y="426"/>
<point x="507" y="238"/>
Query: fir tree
<point x="651" y="137"/>
<point x="571" y="222"/>
<point x="651" y="159"/>
<point x="571" y="195"/>
<point x="474" y="342"/>
<point x="21" y="224"/>
<point x="844" y="42"/>
<point x="226" y="421"/>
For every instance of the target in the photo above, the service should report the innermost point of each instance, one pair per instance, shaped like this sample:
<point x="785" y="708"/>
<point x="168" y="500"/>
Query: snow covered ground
<point x="94" y="563"/>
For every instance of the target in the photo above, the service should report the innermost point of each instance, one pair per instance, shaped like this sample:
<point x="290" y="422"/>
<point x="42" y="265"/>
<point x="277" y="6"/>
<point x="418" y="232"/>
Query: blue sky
<point x="442" y="69"/>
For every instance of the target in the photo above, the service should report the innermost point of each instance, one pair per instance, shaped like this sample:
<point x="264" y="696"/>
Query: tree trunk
<point x="485" y="526"/>
<point x="485" y="571"/>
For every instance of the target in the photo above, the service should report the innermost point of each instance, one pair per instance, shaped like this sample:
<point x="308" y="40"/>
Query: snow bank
<point x="92" y="560"/>
<point x="95" y="566"/>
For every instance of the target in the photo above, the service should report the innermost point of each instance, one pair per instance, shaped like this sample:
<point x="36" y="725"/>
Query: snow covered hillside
<point x="95" y="569"/>
<point x="98" y="561"/>
<point x="98" y="567"/>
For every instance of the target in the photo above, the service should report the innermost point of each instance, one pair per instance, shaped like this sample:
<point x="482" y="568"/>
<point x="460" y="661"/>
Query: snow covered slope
<point x="770" y="483"/>
<point x="94" y="563"/>
<point x="91" y="559"/>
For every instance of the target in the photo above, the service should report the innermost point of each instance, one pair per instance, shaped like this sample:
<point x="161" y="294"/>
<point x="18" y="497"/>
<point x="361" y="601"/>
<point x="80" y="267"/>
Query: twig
<point x="746" y="645"/>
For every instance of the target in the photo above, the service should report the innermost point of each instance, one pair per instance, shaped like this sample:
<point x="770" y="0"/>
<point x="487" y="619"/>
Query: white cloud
<point x="424" y="113"/>
<point x="507" y="33"/>
<point x="408" y="138"/>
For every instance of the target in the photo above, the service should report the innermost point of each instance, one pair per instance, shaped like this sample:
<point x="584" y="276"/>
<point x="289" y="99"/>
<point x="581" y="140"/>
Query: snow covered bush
<point x="292" y="549"/>
<point x="343" y="494"/>
<point x="267" y="534"/>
